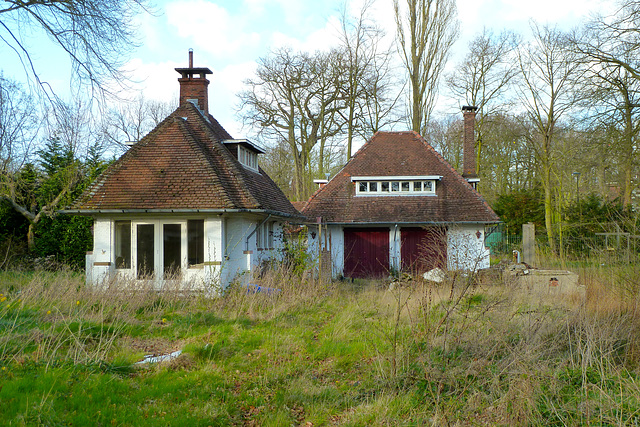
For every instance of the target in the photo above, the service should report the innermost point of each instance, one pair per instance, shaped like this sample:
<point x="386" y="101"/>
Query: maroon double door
<point x="422" y="249"/>
<point x="366" y="250"/>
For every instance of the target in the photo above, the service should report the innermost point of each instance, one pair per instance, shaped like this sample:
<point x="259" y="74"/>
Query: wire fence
<point x="606" y="247"/>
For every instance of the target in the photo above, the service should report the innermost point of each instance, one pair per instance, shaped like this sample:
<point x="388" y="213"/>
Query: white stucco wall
<point x="465" y="248"/>
<point x="236" y="261"/>
<point x="101" y="263"/>
<point x="213" y="252"/>
<point x="334" y="237"/>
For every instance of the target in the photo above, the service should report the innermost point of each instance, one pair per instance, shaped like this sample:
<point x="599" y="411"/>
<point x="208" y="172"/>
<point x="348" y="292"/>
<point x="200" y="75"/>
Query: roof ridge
<point x="319" y="190"/>
<point x="459" y="177"/>
<point x="217" y="179"/>
<point x="230" y="161"/>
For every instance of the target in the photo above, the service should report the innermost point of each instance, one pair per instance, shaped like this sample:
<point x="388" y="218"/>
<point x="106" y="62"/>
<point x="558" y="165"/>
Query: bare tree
<point x="130" y="121"/>
<point x="19" y="126"/>
<point x="483" y="78"/>
<point x="95" y="34"/>
<point x="369" y="103"/>
<point x="610" y="88"/>
<point x="296" y="97"/>
<point x="613" y="39"/>
<point x="426" y="31"/>
<point x="42" y="182"/>
<point x="547" y="70"/>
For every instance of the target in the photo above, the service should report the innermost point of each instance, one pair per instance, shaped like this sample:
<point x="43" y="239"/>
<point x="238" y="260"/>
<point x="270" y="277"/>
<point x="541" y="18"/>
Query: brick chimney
<point x="193" y="85"/>
<point x="469" y="145"/>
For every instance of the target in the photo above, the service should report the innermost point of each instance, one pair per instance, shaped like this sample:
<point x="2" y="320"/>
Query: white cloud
<point x="210" y="27"/>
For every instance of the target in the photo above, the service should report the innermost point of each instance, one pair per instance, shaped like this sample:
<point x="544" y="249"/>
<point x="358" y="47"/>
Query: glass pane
<point x="172" y="250"/>
<point x="428" y="186"/>
<point x="417" y="186"/>
<point x="385" y="186"/>
<point x="405" y="186"/>
<point x="123" y="244"/>
<point x="362" y="187"/>
<point x="373" y="186"/>
<point x="145" y="251"/>
<point x="395" y="186"/>
<point x="195" y="241"/>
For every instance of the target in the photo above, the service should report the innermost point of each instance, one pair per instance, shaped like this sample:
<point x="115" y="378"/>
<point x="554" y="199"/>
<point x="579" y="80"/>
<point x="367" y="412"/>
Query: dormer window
<point x="248" y="158"/>
<point x="395" y="185"/>
<point x="245" y="151"/>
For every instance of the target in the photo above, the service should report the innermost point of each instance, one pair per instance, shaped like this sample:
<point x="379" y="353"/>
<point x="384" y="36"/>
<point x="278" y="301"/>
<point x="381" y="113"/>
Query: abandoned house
<point x="399" y="205"/>
<point x="187" y="202"/>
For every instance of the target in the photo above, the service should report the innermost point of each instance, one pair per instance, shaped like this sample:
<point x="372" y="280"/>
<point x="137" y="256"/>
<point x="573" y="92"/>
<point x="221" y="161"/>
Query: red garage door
<point x="423" y="249"/>
<point x="366" y="252"/>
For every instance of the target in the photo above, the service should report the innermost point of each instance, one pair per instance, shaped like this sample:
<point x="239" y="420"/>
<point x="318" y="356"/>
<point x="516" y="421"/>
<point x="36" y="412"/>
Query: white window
<point x="159" y="248"/>
<point x="405" y="186"/>
<point x="264" y="236"/>
<point x="248" y="158"/>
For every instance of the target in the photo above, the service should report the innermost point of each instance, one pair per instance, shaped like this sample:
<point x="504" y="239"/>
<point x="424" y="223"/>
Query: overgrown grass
<point x="320" y="354"/>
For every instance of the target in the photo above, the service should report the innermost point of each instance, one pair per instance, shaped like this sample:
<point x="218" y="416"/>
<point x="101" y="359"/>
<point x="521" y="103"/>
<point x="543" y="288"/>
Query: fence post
<point x="529" y="244"/>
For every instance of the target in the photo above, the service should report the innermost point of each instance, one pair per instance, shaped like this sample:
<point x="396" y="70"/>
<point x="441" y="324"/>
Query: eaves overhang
<point x="90" y="212"/>
<point x="386" y="223"/>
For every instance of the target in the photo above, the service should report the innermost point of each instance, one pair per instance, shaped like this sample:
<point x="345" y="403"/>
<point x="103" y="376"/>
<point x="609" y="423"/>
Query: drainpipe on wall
<point x="246" y="242"/>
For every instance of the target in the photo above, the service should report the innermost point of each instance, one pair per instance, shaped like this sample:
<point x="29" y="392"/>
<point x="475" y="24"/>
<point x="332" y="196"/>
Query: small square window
<point x="362" y="187"/>
<point x="417" y="186"/>
<point x="405" y="186"/>
<point x="427" y="186"/>
<point x="373" y="186"/>
<point x="395" y="186"/>
<point x="385" y="186"/>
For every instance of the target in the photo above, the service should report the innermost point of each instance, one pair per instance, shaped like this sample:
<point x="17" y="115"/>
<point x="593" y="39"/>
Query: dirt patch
<point x="152" y="346"/>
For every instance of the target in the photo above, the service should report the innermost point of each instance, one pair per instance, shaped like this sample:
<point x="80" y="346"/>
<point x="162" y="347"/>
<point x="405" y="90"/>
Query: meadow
<point x="313" y="354"/>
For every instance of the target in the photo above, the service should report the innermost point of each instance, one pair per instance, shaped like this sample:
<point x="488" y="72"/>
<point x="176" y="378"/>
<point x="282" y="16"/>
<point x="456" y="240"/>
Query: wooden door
<point x="422" y="249"/>
<point x="366" y="252"/>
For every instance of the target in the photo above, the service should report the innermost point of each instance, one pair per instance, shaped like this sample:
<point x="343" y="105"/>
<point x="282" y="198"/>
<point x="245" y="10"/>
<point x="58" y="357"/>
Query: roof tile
<point x="182" y="164"/>
<point x="399" y="154"/>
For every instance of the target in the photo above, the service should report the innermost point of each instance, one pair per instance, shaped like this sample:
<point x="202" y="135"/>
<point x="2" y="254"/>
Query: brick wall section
<point x="194" y="87"/>
<point x="469" y="143"/>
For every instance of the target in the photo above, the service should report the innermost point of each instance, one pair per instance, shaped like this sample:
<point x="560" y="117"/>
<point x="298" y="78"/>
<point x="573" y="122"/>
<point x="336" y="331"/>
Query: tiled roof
<point x="182" y="164"/>
<point x="399" y="154"/>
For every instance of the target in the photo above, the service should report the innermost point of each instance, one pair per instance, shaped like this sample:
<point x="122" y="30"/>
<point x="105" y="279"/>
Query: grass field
<point x="315" y="354"/>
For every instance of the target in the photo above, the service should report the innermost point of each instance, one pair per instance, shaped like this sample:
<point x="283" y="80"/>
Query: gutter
<point x="367" y="224"/>
<point x="143" y="211"/>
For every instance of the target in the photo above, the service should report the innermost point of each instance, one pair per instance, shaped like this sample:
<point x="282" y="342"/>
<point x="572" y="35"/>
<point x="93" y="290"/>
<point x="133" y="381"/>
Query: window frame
<point x="158" y="242"/>
<point x="248" y="158"/>
<point x="396" y="185"/>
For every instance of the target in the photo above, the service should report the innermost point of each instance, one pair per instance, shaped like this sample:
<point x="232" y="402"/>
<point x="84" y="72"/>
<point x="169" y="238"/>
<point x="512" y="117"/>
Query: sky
<point x="229" y="37"/>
